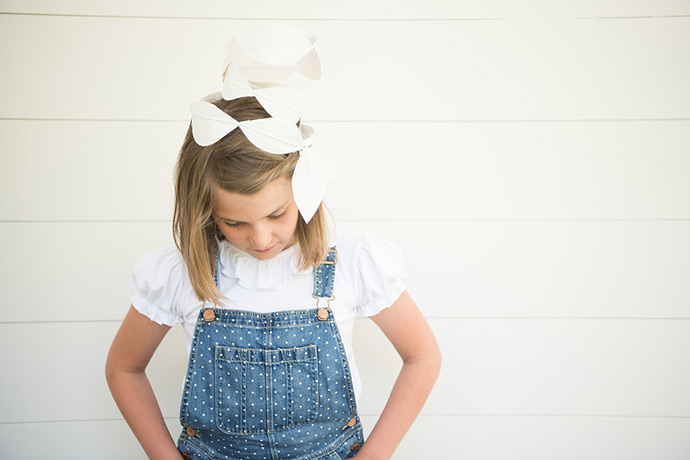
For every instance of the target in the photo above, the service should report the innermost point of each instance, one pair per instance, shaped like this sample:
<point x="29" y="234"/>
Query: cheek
<point x="289" y="225"/>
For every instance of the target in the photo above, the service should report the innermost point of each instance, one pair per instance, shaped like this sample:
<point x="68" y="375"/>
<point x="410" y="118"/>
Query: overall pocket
<point x="262" y="391"/>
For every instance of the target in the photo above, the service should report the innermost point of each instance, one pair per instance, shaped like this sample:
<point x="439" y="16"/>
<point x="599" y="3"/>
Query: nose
<point x="260" y="237"/>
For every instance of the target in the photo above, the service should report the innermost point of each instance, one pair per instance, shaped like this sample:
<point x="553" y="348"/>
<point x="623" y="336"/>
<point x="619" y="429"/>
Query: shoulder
<point x="372" y="266"/>
<point x="160" y="288"/>
<point x="167" y="258"/>
<point x="356" y="244"/>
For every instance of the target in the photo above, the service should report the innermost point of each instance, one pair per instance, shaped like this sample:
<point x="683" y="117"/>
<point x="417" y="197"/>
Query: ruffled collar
<point x="252" y="273"/>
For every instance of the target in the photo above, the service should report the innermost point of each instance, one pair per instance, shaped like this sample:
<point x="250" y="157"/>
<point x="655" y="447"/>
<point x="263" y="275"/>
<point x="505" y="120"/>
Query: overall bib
<point x="270" y="386"/>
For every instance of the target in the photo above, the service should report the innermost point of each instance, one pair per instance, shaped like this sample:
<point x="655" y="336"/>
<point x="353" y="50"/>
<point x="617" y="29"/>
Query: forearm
<point x="135" y="399"/>
<point x="411" y="389"/>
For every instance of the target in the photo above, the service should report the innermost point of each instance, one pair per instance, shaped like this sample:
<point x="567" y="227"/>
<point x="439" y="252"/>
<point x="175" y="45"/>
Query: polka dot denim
<point x="269" y="386"/>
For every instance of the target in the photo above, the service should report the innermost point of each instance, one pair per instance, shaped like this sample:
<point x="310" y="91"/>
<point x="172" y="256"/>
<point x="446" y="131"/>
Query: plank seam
<point x="429" y="317"/>
<point x="672" y="417"/>
<point x="352" y="19"/>
<point x="430" y="220"/>
<point x="453" y="121"/>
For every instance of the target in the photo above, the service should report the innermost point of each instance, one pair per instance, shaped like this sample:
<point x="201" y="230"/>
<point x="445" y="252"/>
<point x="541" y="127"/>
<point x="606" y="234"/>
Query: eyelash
<point x="236" y="224"/>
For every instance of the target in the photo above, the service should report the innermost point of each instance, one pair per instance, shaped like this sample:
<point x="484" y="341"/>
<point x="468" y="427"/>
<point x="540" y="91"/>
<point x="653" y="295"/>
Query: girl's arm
<point x="129" y="355"/>
<point x="412" y="338"/>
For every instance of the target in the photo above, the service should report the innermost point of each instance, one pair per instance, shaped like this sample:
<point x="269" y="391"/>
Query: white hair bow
<point x="254" y="66"/>
<point x="273" y="135"/>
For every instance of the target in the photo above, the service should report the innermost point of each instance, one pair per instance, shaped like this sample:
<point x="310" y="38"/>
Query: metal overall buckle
<point x="322" y="313"/>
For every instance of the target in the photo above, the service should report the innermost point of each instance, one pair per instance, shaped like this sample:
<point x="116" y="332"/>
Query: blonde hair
<point x="236" y="165"/>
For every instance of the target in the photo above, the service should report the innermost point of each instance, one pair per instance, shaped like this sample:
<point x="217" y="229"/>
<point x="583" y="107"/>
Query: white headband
<point x="253" y="67"/>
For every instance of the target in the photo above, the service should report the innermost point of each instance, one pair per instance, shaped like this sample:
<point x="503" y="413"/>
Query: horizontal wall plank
<point x="79" y="271"/>
<point x="542" y="367"/>
<point x="545" y="269"/>
<point x="468" y="437"/>
<point x="545" y="438"/>
<point x="102" y="439"/>
<point x="491" y="367"/>
<point x="508" y="170"/>
<point x="56" y="372"/>
<point x="359" y="9"/>
<point x="88" y="170"/>
<point x="73" y="271"/>
<point x="70" y="67"/>
<point x="384" y="171"/>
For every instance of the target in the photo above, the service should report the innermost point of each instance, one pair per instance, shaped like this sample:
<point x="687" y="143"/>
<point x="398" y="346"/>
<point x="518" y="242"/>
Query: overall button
<point x="186" y="456"/>
<point x="191" y="431"/>
<point x="322" y="314"/>
<point x="209" y="315"/>
<point x="355" y="446"/>
<point x="351" y="423"/>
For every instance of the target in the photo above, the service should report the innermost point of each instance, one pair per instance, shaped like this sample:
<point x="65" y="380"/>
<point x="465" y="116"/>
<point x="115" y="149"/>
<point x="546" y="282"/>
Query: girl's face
<point x="262" y="224"/>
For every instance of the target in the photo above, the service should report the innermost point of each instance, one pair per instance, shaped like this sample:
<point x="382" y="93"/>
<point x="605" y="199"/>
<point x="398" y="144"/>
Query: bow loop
<point x="209" y="123"/>
<point x="278" y="101"/>
<point x="273" y="135"/>
<point x="309" y="182"/>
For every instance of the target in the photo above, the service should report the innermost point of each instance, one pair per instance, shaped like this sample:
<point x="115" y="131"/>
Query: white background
<point x="531" y="158"/>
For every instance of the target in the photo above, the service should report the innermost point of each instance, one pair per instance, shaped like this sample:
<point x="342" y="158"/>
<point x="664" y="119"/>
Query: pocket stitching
<point x="242" y="357"/>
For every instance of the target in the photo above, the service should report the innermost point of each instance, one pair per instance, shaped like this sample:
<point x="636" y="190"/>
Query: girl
<point x="266" y="288"/>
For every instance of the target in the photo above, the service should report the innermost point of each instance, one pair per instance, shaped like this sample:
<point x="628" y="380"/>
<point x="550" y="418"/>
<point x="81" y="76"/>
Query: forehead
<point x="248" y="208"/>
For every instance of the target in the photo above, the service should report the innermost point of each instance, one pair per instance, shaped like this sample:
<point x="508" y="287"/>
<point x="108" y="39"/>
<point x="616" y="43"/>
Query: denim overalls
<point x="270" y="386"/>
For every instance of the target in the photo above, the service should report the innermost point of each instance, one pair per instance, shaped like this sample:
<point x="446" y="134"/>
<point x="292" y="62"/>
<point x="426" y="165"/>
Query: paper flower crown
<point x="254" y="66"/>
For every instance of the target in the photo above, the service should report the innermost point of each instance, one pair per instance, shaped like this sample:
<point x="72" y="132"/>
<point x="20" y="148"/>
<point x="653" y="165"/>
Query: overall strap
<point x="324" y="275"/>
<point x="208" y="313"/>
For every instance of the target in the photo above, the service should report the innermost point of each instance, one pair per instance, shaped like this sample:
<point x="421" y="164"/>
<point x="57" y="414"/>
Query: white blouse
<point x="368" y="278"/>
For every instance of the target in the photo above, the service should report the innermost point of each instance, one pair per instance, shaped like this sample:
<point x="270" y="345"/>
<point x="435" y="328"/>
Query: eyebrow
<point x="226" y="219"/>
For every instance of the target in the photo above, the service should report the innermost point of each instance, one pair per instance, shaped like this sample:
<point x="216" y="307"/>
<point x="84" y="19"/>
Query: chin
<point x="266" y="255"/>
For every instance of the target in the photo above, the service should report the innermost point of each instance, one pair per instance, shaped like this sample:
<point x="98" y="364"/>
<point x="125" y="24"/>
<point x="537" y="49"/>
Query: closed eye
<point x="231" y="224"/>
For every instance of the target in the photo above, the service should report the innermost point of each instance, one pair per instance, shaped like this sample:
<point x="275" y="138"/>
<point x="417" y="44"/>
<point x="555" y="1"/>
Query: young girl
<point x="267" y="289"/>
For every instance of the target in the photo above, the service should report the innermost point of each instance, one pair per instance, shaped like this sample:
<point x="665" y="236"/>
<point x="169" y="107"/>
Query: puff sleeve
<point x="381" y="274"/>
<point x="159" y="286"/>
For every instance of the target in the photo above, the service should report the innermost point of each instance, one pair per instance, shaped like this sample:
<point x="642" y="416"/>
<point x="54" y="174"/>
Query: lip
<point x="263" y="251"/>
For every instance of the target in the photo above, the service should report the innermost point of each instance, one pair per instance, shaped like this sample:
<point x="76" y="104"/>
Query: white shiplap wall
<point x="531" y="158"/>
